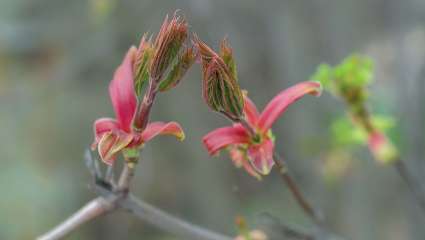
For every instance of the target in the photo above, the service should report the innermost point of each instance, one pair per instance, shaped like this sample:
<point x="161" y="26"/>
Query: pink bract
<point x="114" y="135"/>
<point x="257" y="149"/>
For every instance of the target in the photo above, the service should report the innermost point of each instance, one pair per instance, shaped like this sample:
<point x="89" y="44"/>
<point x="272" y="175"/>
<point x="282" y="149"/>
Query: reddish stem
<point x="143" y="111"/>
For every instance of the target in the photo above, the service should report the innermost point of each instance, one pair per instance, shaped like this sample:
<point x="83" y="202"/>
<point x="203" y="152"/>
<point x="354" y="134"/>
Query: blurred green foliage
<point x="348" y="79"/>
<point x="345" y="133"/>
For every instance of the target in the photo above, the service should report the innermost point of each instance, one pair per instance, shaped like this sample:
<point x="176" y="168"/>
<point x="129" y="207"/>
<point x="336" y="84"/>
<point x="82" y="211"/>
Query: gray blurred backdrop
<point x="56" y="61"/>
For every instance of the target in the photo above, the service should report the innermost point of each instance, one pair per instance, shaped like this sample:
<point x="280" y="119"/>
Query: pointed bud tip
<point x="168" y="44"/>
<point x="221" y="90"/>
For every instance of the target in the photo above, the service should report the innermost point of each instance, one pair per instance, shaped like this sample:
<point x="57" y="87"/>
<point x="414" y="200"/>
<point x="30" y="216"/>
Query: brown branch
<point x="120" y="198"/>
<point x="111" y="201"/>
<point x="411" y="182"/>
<point x="167" y="222"/>
<point x="296" y="192"/>
<point x="363" y="118"/>
<point x="322" y="232"/>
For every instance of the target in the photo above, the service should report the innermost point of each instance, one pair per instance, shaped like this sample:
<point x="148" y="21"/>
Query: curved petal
<point x="111" y="143"/>
<point x="223" y="137"/>
<point x="103" y="125"/>
<point x="261" y="156"/>
<point x="121" y="90"/>
<point x="240" y="159"/>
<point x="251" y="112"/>
<point x="160" y="128"/>
<point x="280" y="103"/>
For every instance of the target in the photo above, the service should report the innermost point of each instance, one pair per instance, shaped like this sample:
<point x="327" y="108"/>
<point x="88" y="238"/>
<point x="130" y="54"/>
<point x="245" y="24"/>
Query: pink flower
<point x="114" y="135"/>
<point x="257" y="149"/>
<point x="382" y="148"/>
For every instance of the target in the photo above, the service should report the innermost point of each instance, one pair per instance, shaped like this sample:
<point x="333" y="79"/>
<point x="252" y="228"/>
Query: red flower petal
<point x="261" y="156"/>
<point x="251" y="112"/>
<point x="111" y="143"/>
<point x="240" y="159"/>
<point x="121" y="90"/>
<point x="280" y="103"/>
<point x="223" y="137"/>
<point x="160" y="128"/>
<point x="102" y="126"/>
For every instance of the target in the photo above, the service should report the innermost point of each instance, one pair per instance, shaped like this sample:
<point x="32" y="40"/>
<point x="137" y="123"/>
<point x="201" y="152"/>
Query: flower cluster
<point x="250" y="139"/>
<point x="162" y="64"/>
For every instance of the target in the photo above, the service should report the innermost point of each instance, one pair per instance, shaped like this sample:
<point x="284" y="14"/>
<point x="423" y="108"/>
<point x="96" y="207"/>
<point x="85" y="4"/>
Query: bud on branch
<point x="167" y="45"/>
<point x="141" y="64"/>
<point x="349" y="80"/>
<point x="221" y="90"/>
<point x="179" y="69"/>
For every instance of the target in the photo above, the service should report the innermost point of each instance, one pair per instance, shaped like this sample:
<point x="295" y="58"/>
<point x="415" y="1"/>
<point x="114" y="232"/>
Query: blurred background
<point x="56" y="61"/>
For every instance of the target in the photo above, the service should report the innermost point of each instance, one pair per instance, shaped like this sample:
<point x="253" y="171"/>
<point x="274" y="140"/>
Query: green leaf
<point x="178" y="70"/>
<point x="344" y="132"/>
<point x="142" y="69"/>
<point x="355" y="71"/>
<point x="226" y="54"/>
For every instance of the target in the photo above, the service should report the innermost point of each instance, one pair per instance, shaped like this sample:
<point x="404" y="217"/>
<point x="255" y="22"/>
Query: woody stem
<point x="411" y="182"/>
<point x="93" y="209"/>
<point x="296" y="192"/>
<point x="362" y="116"/>
<point x="290" y="182"/>
<point x="127" y="173"/>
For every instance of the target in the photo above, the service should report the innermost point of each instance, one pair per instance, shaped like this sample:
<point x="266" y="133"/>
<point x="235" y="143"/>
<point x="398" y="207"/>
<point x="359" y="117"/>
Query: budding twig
<point x="362" y="116"/>
<point x="291" y="184"/>
<point x="121" y="198"/>
<point x="296" y="192"/>
<point x="167" y="222"/>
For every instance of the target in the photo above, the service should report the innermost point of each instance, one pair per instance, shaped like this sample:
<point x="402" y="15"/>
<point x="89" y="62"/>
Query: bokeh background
<point x="56" y="61"/>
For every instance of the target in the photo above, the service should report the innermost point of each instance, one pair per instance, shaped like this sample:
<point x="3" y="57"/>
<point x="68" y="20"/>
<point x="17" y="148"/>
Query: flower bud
<point x="221" y="91"/>
<point x="178" y="70"/>
<point x="167" y="45"/>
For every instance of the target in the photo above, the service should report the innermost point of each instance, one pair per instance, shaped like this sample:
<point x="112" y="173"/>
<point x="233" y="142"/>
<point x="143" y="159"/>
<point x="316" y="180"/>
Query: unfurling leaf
<point x="227" y="56"/>
<point x="178" y="70"/>
<point x="221" y="91"/>
<point x="141" y="64"/>
<point x="349" y="79"/>
<point x="167" y="45"/>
